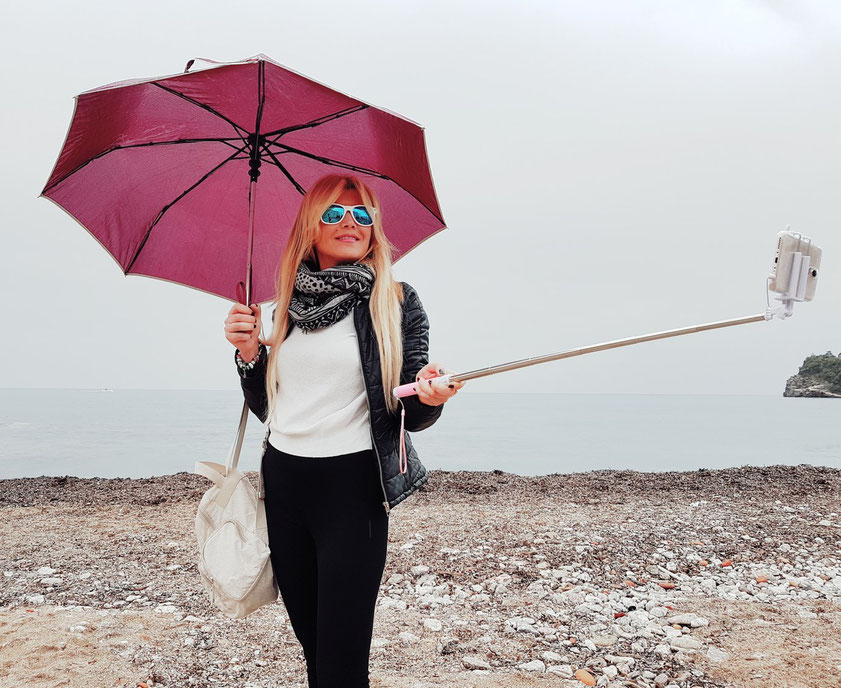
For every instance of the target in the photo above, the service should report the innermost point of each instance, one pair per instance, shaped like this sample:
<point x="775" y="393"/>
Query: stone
<point x="475" y="662"/>
<point x="621" y="659"/>
<point x="715" y="654"/>
<point x="391" y="602"/>
<point x="534" y="665"/>
<point x="562" y="670"/>
<point x="523" y="624"/>
<point x="689" y="619"/>
<point x="408" y="638"/>
<point x="448" y="646"/>
<point x="686" y="642"/>
<point x="663" y="650"/>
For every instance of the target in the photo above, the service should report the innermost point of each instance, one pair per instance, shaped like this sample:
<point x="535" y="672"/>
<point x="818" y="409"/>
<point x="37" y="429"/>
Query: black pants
<point x="328" y="533"/>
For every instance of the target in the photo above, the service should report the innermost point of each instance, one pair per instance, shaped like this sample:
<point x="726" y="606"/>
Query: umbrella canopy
<point x="165" y="172"/>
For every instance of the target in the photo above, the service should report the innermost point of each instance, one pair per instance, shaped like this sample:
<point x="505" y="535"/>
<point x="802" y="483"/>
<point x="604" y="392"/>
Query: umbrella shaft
<point x="534" y="360"/>
<point x="252" y="199"/>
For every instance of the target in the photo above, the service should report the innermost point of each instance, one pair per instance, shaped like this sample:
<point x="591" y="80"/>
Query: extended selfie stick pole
<point x="796" y="291"/>
<point x="408" y="390"/>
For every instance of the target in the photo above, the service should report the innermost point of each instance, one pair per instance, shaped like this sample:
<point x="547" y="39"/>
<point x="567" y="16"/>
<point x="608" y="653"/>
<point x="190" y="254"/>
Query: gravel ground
<point x="607" y="578"/>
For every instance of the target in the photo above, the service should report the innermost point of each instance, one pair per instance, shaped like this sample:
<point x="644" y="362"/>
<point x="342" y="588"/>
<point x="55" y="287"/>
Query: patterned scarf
<point x="324" y="297"/>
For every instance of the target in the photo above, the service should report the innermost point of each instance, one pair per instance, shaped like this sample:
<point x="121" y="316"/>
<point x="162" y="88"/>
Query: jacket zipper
<point x="371" y="426"/>
<point x="263" y="456"/>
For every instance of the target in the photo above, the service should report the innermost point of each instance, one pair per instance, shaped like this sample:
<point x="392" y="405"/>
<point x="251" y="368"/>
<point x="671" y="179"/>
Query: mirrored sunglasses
<point x="334" y="214"/>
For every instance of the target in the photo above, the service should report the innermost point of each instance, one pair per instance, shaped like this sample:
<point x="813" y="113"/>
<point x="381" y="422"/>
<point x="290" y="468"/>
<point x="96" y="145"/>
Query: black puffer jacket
<point x="385" y="426"/>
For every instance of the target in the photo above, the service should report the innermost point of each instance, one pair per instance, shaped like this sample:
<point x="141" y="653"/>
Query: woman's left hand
<point x="433" y="393"/>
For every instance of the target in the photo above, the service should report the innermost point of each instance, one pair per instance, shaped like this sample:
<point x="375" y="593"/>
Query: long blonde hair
<point x="386" y="295"/>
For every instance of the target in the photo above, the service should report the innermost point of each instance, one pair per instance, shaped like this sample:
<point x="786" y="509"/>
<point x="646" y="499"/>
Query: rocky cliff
<point x="819" y="376"/>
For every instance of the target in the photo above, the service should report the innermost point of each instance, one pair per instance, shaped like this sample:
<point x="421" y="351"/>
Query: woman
<point x="345" y="334"/>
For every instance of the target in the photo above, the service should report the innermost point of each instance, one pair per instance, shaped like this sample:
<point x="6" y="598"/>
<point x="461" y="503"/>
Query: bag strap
<point x="233" y="454"/>
<point x="232" y="461"/>
<point x="212" y="471"/>
<point x="261" y="517"/>
<point x="218" y="472"/>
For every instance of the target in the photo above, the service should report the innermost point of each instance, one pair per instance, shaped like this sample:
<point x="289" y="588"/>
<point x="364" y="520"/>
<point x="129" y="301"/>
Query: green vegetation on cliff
<point x="824" y="368"/>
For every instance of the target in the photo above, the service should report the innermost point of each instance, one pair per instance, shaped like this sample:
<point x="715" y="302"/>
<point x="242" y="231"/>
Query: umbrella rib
<point x="261" y="94"/>
<point x="301" y="190"/>
<point x="240" y="130"/>
<point x="354" y="168"/>
<point x="58" y="181"/>
<point x="317" y="121"/>
<point x="227" y="142"/>
<point x="169" y="205"/>
<point x="330" y="161"/>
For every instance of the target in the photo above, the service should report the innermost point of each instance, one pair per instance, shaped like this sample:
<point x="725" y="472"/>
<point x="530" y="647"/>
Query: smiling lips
<point x="347" y="237"/>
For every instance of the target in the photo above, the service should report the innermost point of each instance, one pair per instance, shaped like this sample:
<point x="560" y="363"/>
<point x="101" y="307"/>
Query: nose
<point x="347" y="219"/>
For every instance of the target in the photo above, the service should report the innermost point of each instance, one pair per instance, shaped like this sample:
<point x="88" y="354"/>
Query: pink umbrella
<point x="164" y="172"/>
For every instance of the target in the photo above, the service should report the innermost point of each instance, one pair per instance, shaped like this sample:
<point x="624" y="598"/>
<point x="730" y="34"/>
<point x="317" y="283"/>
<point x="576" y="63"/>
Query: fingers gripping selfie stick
<point x="793" y="277"/>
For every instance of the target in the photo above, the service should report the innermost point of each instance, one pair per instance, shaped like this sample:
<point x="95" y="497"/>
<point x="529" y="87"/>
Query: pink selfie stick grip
<point x="412" y="388"/>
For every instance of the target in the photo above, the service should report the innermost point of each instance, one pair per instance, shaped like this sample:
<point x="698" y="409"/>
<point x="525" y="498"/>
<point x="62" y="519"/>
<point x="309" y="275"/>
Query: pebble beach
<point x="606" y="578"/>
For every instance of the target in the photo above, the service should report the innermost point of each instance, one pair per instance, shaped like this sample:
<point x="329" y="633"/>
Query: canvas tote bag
<point x="234" y="562"/>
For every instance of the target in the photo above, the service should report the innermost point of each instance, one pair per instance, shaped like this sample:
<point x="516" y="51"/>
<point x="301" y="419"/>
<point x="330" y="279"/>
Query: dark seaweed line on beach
<point x="592" y="487"/>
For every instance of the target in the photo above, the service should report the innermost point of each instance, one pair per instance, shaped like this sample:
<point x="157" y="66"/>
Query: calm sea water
<point x="141" y="433"/>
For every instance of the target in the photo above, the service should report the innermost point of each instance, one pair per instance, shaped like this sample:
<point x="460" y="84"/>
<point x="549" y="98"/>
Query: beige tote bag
<point x="234" y="559"/>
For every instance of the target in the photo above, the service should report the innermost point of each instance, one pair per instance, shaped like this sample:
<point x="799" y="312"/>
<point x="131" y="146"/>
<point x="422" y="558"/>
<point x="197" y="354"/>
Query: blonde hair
<point x="383" y="303"/>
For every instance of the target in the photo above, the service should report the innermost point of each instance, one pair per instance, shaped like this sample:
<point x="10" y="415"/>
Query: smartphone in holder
<point x="791" y="247"/>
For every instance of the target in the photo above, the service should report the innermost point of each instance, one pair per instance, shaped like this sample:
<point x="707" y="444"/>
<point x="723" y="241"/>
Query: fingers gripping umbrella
<point x="164" y="171"/>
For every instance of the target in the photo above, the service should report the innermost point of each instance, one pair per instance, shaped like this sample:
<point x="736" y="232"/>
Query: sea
<point x="137" y="433"/>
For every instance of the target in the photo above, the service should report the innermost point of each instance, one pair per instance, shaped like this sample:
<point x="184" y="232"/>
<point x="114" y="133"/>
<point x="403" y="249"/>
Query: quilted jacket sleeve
<point x="419" y="416"/>
<point x="253" y="384"/>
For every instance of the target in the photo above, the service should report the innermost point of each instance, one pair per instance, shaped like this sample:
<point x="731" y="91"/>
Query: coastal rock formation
<point x="807" y="386"/>
<point x="819" y="376"/>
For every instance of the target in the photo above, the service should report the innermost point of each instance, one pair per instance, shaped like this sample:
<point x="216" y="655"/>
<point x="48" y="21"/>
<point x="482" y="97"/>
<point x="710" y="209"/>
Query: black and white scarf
<point x="323" y="297"/>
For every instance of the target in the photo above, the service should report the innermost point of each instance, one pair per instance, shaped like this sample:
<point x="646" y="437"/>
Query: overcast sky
<point x="605" y="169"/>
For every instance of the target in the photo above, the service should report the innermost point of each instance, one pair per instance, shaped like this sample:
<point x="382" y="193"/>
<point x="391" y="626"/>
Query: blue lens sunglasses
<point x="334" y="214"/>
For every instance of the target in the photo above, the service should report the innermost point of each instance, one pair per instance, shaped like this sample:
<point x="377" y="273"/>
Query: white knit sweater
<point x="321" y="408"/>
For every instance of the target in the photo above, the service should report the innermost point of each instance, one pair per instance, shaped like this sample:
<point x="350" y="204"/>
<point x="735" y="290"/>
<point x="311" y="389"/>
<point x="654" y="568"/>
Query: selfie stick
<point x="794" y="291"/>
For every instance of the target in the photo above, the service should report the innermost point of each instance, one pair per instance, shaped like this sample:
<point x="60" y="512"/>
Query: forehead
<point x="350" y="197"/>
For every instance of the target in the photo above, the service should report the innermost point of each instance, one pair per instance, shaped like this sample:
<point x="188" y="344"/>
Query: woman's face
<point x="331" y="248"/>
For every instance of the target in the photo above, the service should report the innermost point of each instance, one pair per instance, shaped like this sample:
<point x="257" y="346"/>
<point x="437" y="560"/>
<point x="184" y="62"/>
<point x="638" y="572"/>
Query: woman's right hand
<point x="242" y="329"/>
